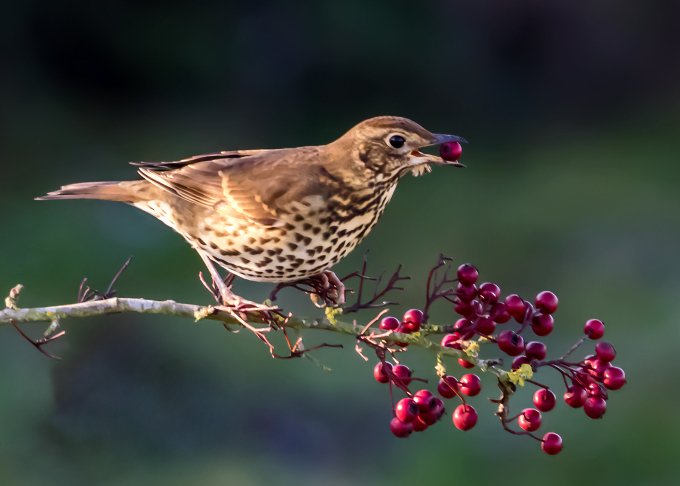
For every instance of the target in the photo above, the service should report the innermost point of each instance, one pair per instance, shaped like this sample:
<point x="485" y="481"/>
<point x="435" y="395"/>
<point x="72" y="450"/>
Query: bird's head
<point x="390" y="146"/>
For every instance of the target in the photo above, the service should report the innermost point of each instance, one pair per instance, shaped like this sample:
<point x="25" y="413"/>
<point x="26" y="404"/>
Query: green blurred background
<point x="572" y="113"/>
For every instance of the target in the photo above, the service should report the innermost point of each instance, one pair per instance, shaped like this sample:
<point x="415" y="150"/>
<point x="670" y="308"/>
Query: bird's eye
<point x="396" y="141"/>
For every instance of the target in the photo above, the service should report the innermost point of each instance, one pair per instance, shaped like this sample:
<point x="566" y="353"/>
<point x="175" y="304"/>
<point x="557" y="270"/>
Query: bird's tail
<point x="126" y="191"/>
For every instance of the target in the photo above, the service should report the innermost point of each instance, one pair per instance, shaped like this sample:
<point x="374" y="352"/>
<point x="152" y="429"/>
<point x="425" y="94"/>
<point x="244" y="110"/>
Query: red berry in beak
<point x="450" y="151"/>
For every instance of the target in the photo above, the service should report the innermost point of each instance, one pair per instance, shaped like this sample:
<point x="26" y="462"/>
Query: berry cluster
<point x="410" y="323"/>
<point x="587" y="382"/>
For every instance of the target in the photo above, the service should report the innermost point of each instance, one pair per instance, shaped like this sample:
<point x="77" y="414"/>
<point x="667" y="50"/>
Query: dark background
<point x="571" y="110"/>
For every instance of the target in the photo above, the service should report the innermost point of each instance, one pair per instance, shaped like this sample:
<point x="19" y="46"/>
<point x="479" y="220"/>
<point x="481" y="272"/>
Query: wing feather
<point x="260" y="188"/>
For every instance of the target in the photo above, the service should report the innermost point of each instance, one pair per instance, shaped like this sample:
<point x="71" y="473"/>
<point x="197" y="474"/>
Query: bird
<point x="278" y="215"/>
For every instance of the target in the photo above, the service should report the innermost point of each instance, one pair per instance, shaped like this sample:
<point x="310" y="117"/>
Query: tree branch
<point x="118" y="305"/>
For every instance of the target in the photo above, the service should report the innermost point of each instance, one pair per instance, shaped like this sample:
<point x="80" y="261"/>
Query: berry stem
<point x="574" y="347"/>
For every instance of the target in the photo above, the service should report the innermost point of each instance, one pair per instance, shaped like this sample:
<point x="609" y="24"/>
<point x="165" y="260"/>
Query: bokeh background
<point x="572" y="113"/>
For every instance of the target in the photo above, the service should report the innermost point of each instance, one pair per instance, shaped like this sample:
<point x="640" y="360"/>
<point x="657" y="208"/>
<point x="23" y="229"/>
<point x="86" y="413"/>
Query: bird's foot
<point x="331" y="292"/>
<point x="325" y="289"/>
<point x="234" y="304"/>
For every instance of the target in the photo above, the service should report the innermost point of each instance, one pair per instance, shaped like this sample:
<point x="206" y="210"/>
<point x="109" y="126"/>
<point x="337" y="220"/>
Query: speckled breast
<point x="309" y="240"/>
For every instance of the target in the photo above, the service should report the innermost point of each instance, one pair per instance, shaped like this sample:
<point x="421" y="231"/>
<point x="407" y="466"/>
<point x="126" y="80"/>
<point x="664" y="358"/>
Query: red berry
<point x="400" y="429"/>
<point x="406" y="410"/>
<point x="464" y="417"/>
<point x="379" y="372"/>
<point x="467" y="274"/>
<point x="470" y="385"/>
<point x="425" y="401"/>
<point x="529" y="312"/>
<point x="614" y="378"/>
<point x="404" y="330"/>
<point x="489" y="292"/>
<point x="439" y="409"/>
<point x="403" y="373"/>
<point x="583" y="379"/>
<point x="447" y="387"/>
<point x="519" y="361"/>
<point x="575" y="396"/>
<point x="510" y="343"/>
<point x="595" y="407"/>
<point x="419" y="425"/>
<point x="413" y="319"/>
<point x="594" y="329"/>
<point x="499" y="313"/>
<point x="597" y="367"/>
<point x="529" y="420"/>
<point x="389" y="323"/>
<point x="546" y="302"/>
<point x="544" y="400"/>
<point x="514" y="305"/>
<point x="605" y="352"/>
<point x="465" y="309"/>
<point x="451" y="341"/>
<point x="597" y="390"/>
<point x="485" y="325"/>
<point x="428" y="418"/>
<point x="434" y="414"/>
<point x="542" y="325"/>
<point x="535" y="350"/>
<point x="466" y="292"/>
<point x="465" y="328"/>
<point x="552" y="443"/>
<point x="465" y="364"/>
<point x="450" y="151"/>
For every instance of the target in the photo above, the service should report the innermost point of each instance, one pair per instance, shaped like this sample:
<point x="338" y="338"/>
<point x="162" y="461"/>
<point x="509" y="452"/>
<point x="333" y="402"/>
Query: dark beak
<point x="438" y="138"/>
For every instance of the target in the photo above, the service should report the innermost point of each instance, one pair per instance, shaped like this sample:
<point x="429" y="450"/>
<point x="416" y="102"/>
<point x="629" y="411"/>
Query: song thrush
<point x="277" y="215"/>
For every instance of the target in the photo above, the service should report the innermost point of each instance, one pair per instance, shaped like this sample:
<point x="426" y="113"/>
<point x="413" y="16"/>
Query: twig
<point x="437" y="292"/>
<point x="41" y="342"/>
<point x="371" y="304"/>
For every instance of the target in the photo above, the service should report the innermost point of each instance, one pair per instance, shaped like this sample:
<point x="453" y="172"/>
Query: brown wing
<point x="233" y="154"/>
<point x="259" y="188"/>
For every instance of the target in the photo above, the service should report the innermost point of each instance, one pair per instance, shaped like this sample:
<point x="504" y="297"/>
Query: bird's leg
<point x="224" y="291"/>
<point x="229" y="300"/>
